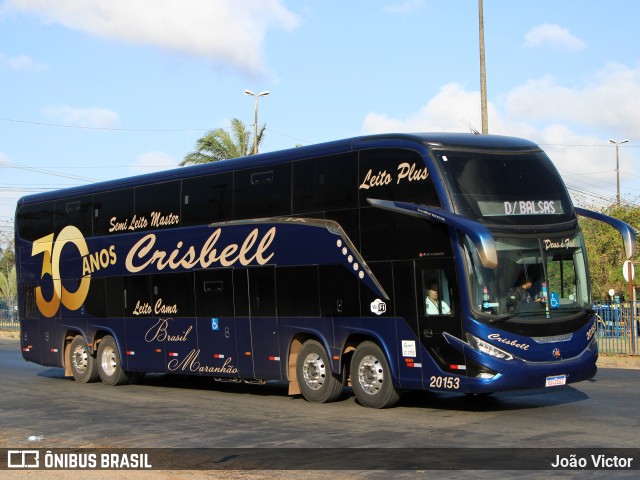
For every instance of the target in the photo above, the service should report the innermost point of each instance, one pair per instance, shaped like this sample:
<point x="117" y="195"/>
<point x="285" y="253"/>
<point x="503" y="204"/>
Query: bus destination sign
<point x="493" y="208"/>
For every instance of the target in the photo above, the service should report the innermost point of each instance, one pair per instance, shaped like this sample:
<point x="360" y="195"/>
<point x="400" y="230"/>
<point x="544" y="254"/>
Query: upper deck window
<point x="510" y="188"/>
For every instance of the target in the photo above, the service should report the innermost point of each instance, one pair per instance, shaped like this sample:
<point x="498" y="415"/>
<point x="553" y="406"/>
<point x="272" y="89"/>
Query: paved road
<point x="166" y="411"/>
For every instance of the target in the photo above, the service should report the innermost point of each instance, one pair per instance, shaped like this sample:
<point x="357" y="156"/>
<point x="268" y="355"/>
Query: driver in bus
<point x="520" y="293"/>
<point x="435" y="306"/>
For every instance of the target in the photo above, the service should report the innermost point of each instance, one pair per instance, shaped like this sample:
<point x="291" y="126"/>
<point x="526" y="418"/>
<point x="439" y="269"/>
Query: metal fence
<point x="617" y="328"/>
<point x="8" y="322"/>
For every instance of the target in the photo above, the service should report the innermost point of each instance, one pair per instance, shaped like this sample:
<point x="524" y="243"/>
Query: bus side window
<point x="74" y="211"/>
<point x="437" y="292"/>
<point x="297" y="291"/>
<point x="112" y="211"/>
<point x="214" y="293"/>
<point x="262" y="295"/>
<point x="173" y="294"/>
<point x="158" y="204"/>
<point x="272" y="186"/>
<point x="35" y="221"/>
<point x="29" y="308"/>
<point x="325" y="183"/>
<point x="207" y="199"/>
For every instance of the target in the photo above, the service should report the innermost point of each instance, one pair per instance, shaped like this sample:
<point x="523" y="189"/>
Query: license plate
<point x="556" y="380"/>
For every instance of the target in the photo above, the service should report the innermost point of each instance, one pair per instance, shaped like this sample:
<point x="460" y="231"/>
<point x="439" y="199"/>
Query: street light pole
<point x="255" y="124"/>
<point x="617" y="144"/>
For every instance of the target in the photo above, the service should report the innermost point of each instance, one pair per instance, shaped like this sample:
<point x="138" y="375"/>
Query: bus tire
<point x="83" y="365"/>
<point x="371" y="377"/>
<point x="110" y="363"/>
<point x="313" y="371"/>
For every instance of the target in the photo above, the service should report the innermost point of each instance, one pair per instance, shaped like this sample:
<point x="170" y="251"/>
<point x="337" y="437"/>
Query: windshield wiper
<point x="508" y="316"/>
<point x="503" y="318"/>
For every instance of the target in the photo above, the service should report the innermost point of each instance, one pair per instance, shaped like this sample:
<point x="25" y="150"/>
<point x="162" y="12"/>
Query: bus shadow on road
<point x="503" y="401"/>
<point x="496" y="402"/>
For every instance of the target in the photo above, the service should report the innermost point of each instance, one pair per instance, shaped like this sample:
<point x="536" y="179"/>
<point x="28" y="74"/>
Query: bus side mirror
<point x="627" y="231"/>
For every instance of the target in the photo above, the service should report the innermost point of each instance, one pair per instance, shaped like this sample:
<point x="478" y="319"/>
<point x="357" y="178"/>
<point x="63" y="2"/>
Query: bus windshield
<point x="536" y="278"/>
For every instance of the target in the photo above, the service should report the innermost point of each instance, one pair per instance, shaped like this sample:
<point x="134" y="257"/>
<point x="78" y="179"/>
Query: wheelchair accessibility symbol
<point x="554" y="300"/>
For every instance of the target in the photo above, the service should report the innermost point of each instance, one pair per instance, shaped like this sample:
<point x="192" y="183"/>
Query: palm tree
<point x="219" y="144"/>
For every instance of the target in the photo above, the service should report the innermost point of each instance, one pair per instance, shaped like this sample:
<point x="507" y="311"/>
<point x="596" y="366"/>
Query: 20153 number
<point x="451" y="383"/>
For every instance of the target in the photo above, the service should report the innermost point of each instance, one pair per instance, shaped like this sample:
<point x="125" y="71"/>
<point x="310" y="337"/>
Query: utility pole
<point x="483" y="72"/>
<point x="617" y="144"/>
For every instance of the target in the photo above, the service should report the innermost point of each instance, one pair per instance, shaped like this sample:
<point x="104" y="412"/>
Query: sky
<point x="100" y="89"/>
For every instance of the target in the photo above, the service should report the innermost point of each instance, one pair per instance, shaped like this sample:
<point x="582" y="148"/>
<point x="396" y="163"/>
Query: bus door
<point x="217" y="331"/>
<point x="30" y="320"/>
<point x="172" y="296"/>
<point x="267" y="363"/>
<point x="38" y="333"/>
<point x="438" y="312"/>
<point x="145" y="333"/>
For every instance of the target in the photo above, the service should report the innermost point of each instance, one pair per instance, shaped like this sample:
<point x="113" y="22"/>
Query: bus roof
<point x="424" y="140"/>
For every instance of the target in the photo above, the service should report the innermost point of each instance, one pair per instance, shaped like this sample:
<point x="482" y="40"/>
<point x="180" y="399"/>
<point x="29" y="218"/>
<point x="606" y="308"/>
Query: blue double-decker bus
<point x="444" y="262"/>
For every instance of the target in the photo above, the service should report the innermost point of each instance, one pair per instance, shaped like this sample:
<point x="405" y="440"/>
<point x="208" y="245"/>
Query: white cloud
<point x="571" y="123"/>
<point x="153" y="161"/>
<point x="609" y="100"/>
<point x="448" y="111"/>
<point x="224" y="31"/>
<point x="555" y="36"/>
<point x="22" y="63"/>
<point x="81" y="117"/>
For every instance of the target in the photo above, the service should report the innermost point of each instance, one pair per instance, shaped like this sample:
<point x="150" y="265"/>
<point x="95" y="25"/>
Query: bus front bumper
<point x="496" y="375"/>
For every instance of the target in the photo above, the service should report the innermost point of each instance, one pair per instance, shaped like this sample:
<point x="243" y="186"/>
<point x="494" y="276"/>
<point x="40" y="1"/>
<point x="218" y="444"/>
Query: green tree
<point x="219" y="144"/>
<point x="7" y="255"/>
<point x="605" y="249"/>
<point x="9" y="288"/>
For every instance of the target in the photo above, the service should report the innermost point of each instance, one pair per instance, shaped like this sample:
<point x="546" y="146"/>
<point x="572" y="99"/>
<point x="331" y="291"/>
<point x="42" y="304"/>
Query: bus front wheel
<point x="110" y="363"/>
<point x="83" y="365"/>
<point x="313" y="371"/>
<point x="371" y="377"/>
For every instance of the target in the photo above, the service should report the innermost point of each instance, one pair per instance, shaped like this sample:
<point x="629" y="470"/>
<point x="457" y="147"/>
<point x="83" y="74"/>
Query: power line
<point x="46" y="172"/>
<point x="110" y="129"/>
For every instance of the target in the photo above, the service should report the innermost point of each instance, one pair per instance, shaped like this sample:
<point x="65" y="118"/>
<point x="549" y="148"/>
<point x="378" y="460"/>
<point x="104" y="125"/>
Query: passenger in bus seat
<point x="435" y="307"/>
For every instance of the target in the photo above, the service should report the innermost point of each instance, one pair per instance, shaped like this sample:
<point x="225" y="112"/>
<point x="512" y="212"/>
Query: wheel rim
<point x="109" y="361"/>
<point x="314" y="371"/>
<point x="80" y="358"/>
<point x="370" y="374"/>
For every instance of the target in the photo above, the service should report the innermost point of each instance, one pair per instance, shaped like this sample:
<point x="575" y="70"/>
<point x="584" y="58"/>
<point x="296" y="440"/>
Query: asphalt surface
<point x="41" y="408"/>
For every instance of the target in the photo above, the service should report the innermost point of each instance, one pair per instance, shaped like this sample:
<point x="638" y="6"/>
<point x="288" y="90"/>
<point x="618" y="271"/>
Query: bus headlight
<point x="485" y="347"/>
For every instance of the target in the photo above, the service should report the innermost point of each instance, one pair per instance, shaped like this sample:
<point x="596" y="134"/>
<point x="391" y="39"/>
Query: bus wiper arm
<point x="502" y="318"/>
<point x="508" y="316"/>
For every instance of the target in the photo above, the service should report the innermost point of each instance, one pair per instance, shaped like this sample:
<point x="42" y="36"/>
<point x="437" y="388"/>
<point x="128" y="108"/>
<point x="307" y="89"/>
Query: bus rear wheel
<point x="314" y="375"/>
<point x="371" y="377"/>
<point x="110" y="363"/>
<point x="83" y="366"/>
